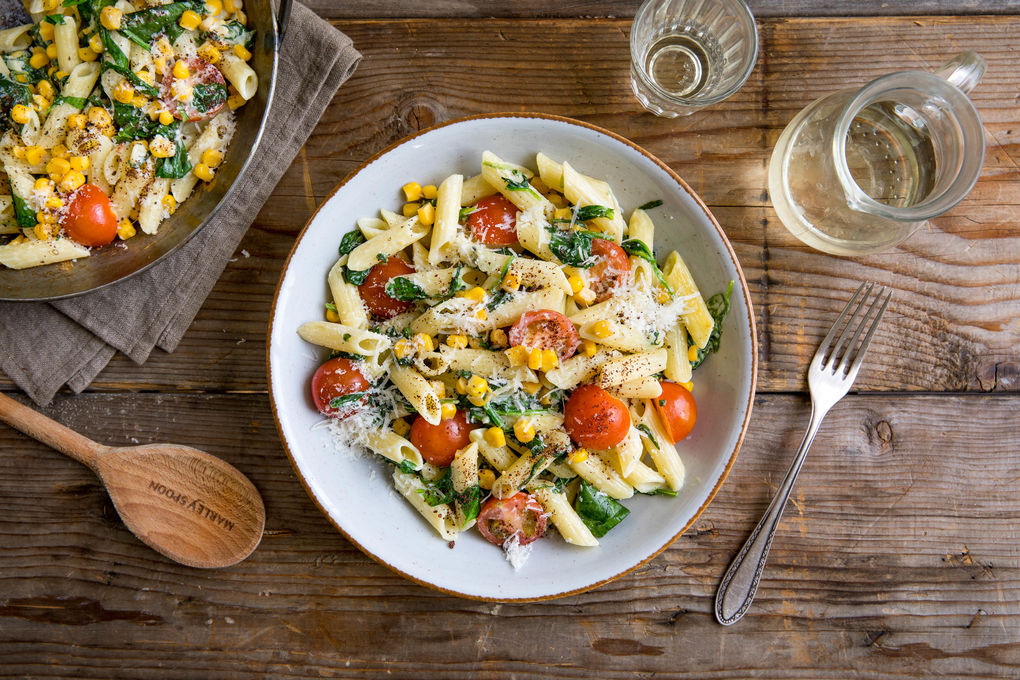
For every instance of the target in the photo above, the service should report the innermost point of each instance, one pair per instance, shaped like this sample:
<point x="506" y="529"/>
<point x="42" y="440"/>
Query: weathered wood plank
<point x="897" y="558"/>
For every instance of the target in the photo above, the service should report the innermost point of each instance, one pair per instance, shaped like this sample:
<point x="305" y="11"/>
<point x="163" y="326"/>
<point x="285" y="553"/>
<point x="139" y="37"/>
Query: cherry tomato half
<point x="610" y="271"/>
<point x="494" y="221"/>
<point x="546" y="329"/>
<point x="337" y="378"/>
<point x="439" y="443"/>
<point x="373" y="289"/>
<point x="90" y="219"/>
<point x="520" y="514"/>
<point x="677" y="410"/>
<point x="205" y="91"/>
<point x="595" y="419"/>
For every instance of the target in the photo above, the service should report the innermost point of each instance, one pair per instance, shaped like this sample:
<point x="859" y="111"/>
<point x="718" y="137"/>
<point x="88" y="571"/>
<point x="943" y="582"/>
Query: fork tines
<point x="852" y="352"/>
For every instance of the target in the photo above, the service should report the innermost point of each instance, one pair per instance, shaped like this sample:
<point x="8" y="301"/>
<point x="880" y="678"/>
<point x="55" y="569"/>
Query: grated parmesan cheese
<point x="516" y="554"/>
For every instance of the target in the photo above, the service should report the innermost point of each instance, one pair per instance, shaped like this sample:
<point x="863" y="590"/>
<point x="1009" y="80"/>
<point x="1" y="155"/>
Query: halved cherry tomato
<point x="546" y="329"/>
<point x="610" y="271"/>
<point x="595" y="419"/>
<point x="90" y="219"/>
<point x="204" y="91"/>
<point x="494" y="221"/>
<point x="337" y="378"/>
<point x="677" y="410"/>
<point x="520" y="514"/>
<point x="373" y="289"/>
<point x="439" y="443"/>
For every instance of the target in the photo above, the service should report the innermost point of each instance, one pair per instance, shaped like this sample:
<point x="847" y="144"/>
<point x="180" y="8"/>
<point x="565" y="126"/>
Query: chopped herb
<point x="573" y="247"/>
<point x="380" y="257"/>
<point x="639" y="248"/>
<point x="718" y="306"/>
<point x="403" y="289"/>
<point x="662" y="402"/>
<point x="331" y="307"/>
<point x="456" y="283"/>
<point x="350" y="241"/>
<point x="599" y="512"/>
<point x="465" y="212"/>
<point x="407" y="467"/>
<point x="347" y="336"/>
<point x="346" y="355"/>
<point x="651" y="204"/>
<point x="346" y="400"/>
<point x="647" y="431"/>
<point x="591" y="212"/>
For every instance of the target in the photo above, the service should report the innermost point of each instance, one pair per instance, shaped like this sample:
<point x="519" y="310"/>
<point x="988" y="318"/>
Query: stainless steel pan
<point x="110" y="264"/>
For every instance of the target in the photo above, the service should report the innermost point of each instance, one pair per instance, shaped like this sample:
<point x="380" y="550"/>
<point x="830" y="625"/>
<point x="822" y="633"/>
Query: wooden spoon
<point x="186" y="504"/>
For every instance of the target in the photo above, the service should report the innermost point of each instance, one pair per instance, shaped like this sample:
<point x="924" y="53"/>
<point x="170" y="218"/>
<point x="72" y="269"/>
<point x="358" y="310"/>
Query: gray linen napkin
<point x="43" y="346"/>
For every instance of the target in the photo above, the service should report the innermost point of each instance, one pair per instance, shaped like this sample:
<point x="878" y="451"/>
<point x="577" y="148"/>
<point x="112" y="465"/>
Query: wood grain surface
<point x="898" y="556"/>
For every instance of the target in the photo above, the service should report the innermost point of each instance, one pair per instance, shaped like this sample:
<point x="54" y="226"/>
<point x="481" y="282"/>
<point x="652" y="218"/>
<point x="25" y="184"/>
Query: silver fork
<point x="829" y="380"/>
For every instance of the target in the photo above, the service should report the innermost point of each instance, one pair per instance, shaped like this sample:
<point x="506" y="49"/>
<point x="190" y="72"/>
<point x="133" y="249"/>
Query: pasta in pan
<point x="111" y="113"/>
<point x="511" y="345"/>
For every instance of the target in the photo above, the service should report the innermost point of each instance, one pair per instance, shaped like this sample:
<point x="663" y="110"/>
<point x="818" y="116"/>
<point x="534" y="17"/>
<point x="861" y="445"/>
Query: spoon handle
<point x="49" y="432"/>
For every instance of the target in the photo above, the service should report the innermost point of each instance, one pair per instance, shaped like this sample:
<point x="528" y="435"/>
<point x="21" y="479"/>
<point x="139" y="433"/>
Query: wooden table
<point x="898" y="556"/>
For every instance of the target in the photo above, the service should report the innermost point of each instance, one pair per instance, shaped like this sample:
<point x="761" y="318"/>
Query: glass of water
<point x="687" y="54"/>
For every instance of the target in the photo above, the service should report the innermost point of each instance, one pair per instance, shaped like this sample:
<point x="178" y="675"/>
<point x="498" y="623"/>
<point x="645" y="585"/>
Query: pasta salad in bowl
<point x="518" y="357"/>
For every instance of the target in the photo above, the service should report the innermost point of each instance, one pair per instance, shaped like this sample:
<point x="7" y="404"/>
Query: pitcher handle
<point x="964" y="70"/>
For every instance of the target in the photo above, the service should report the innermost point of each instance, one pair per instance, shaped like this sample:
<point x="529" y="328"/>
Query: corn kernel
<point x="481" y="314"/>
<point x="448" y="410"/>
<point x="87" y="54"/>
<point x="486" y="477"/>
<point x="170" y="205"/>
<point x="210" y="53"/>
<point x="125" y="229"/>
<point x="51" y="51"/>
<point x="585" y="297"/>
<point x="110" y="18"/>
<point x="21" y="78"/>
<point x="45" y="88"/>
<point x="76" y="121"/>
<point x="21" y="114"/>
<point x="588" y="347"/>
<point x="40" y="102"/>
<point x="602" y="329"/>
<point x="60" y="75"/>
<point x="689" y="385"/>
<point x="456" y="341"/>
<point x="440" y="388"/>
<point x="203" y="172"/>
<point x="430" y="191"/>
<point x="562" y="213"/>
<point x="532" y="388"/>
<point x="189" y="20"/>
<point x="124" y="92"/>
<point x="692" y="353"/>
<point x="524" y="430"/>
<point x="579" y="456"/>
<point x="19" y="152"/>
<point x="230" y="6"/>
<point x="213" y="6"/>
<point x="241" y="18"/>
<point x="53" y="203"/>
<point x="498" y="337"/>
<point x="517" y="355"/>
<point x="549" y="359"/>
<point x="46" y="31"/>
<point x="476" y="294"/>
<point x="242" y="52"/>
<point x="34" y="154"/>
<point x="423" y="342"/>
<point x="58" y="166"/>
<point x="535" y="359"/>
<point x="235" y="101"/>
<point x="41" y="231"/>
<point x="180" y="70"/>
<point x="576" y="284"/>
<point x="43" y="217"/>
<point x="39" y="60"/>
<point x="402" y="349"/>
<point x="331" y="315"/>
<point x="662" y="296"/>
<point x="161" y="147"/>
<point x="511" y="282"/>
<point x="427" y="214"/>
<point x="412" y="191"/>
<point x="96" y="44"/>
<point x="43" y="186"/>
<point x="479" y="401"/>
<point x="461" y="386"/>
<point x="409" y="209"/>
<point x="477" y="386"/>
<point x="99" y="117"/>
<point x="79" y="163"/>
<point x="401" y="427"/>
<point x="72" y="181"/>
<point x="494" y="436"/>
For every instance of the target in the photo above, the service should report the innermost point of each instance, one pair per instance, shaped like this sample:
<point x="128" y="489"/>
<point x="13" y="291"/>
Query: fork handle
<point x="740" y="583"/>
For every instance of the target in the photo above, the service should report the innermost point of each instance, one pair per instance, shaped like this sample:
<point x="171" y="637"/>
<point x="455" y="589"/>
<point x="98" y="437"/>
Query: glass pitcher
<point x="858" y="171"/>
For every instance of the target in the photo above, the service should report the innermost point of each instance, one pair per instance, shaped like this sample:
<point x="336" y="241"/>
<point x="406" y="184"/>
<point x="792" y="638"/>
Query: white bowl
<point x="356" y="492"/>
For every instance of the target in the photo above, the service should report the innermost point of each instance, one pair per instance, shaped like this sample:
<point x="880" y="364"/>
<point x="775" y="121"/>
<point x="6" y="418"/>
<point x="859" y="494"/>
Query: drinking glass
<point x="687" y="54"/>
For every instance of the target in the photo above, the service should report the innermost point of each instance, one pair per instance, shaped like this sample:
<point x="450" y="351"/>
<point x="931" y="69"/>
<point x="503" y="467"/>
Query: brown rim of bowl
<point x="743" y="287"/>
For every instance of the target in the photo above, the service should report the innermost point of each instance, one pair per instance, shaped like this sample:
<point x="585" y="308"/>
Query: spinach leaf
<point x="77" y="102"/>
<point x="355" y="277"/>
<point x="346" y="400"/>
<point x="591" y="212"/>
<point x="465" y="211"/>
<point x="133" y="123"/>
<point x="346" y="355"/>
<point x="514" y="179"/>
<point x="207" y="97"/>
<point x="439" y="490"/>
<point x="350" y="241"/>
<point x="639" y="248"/>
<point x="125" y="70"/>
<point x="23" y="214"/>
<point x="119" y="60"/>
<point x="232" y="33"/>
<point x="661" y="491"/>
<point x="403" y="289"/>
<point x="178" y="165"/>
<point x="470" y="502"/>
<point x="142" y="26"/>
<point x="456" y="283"/>
<point x="573" y="247"/>
<point x="718" y="306"/>
<point x="599" y="512"/>
<point x="406" y="467"/>
<point x="11" y="93"/>
<point x="651" y="204"/>
<point x="55" y="19"/>
<point x="647" y="431"/>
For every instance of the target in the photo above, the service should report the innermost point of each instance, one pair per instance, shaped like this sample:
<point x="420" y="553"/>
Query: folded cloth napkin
<point x="154" y="308"/>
